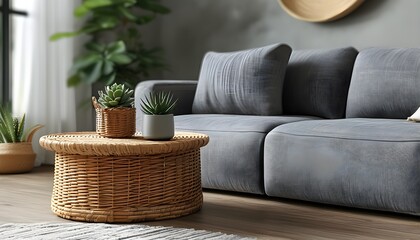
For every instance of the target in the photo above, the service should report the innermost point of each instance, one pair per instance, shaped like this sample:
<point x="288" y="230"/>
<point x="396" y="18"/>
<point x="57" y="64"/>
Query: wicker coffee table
<point x="99" y="179"/>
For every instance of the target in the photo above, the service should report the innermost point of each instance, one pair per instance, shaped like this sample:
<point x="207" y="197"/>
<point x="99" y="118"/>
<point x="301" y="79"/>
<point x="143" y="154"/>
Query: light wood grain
<point x="319" y="10"/>
<point x="26" y="198"/>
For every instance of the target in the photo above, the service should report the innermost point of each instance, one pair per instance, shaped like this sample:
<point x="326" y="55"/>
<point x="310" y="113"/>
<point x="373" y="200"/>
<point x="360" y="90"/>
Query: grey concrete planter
<point x="158" y="127"/>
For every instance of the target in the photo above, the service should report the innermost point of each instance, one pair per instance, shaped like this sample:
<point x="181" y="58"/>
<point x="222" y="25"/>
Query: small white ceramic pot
<point x="158" y="127"/>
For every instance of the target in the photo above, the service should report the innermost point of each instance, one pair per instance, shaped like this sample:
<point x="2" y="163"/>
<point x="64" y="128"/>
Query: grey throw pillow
<point x="317" y="82"/>
<point x="243" y="82"/>
<point x="385" y="83"/>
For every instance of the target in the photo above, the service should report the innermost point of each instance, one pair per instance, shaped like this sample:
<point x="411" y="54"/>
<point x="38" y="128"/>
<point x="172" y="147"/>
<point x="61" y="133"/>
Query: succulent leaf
<point x="118" y="93"/>
<point x="111" y="94"/>
<point x="113" y="103"/>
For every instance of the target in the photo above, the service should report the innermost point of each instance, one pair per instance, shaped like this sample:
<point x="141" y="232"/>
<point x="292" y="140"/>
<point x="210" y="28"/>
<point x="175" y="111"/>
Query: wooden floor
<point x="25" y="198"/>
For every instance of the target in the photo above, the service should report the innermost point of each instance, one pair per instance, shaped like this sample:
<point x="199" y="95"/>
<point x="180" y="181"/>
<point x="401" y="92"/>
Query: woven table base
<point x="127" y="188"/>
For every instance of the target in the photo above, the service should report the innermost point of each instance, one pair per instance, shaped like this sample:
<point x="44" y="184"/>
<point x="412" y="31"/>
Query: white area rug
<point x="104" y="231"/>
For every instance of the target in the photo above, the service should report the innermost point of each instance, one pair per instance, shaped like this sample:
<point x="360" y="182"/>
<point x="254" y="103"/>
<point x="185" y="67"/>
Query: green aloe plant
<point x="117" y="95"/>
<point x="158" y="103"/>
<point x="12" y="128"/>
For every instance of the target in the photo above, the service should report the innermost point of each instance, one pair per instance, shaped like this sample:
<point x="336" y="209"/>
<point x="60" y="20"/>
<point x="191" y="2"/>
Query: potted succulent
<point x="115" y="113"/>
<point x="16" y="153"/>
<point x="158" y="122"/>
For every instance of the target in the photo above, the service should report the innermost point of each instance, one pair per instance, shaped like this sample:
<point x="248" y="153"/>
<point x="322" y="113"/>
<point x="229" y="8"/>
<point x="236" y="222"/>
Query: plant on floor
<point x="16" y="153"/>
<point x="116" y="95"/>
<point x="12" y="128"/>
<point x="116" y="52"/>
<point x="158" y="103"/>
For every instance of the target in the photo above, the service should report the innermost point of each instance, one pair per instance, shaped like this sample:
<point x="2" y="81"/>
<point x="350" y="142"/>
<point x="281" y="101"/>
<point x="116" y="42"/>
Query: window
<point x="6" y="13"/>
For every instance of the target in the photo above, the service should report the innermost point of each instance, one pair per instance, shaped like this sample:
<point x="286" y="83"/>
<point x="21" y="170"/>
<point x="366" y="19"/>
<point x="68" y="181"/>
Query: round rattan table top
<point x="90" y="143"/>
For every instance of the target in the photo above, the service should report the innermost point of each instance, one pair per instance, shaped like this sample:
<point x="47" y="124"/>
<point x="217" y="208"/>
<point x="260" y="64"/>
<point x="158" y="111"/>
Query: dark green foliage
<point x="125" y="59"/>
<point x="99" y="64"/>
<point x="158" y="103"/>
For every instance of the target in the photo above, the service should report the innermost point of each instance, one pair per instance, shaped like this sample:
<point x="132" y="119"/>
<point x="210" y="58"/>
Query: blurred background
<point x="46" y="79"/>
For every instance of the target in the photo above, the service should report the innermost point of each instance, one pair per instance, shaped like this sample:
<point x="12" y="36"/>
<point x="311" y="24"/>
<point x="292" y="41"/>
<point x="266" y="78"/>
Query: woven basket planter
<point x="115" y="122"/>
<point x="16" y="157"/>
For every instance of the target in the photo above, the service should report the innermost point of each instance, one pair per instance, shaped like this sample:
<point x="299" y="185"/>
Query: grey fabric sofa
<point x="342" y="137"/>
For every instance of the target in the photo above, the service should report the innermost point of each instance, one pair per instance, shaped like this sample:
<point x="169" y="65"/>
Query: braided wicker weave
<point x="115" y="122"/>
<point x="125" y="180"/>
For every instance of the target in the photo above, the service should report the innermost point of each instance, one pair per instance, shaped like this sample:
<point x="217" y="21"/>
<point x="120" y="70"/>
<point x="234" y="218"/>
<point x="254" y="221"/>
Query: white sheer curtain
<point x="40" y="69"/>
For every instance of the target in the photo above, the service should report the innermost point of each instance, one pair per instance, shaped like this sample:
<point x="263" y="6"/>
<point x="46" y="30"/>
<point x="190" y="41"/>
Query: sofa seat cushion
<point x="367" y="163"/>
<point x="234" y="123"/>
<point x="394" y="130"/>
<point x="233" y="158"/>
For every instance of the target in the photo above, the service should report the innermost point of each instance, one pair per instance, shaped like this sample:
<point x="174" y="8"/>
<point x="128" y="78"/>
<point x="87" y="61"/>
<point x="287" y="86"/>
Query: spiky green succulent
<point x="158" y="103"/>
<point x="116" y="95"/>
<point x="12" y="128"/>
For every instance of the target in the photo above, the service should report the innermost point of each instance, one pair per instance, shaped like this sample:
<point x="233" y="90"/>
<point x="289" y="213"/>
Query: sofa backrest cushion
<point x="243" y="82"/>
<point x="385" y="84"/>
<point x="317" y="82"/>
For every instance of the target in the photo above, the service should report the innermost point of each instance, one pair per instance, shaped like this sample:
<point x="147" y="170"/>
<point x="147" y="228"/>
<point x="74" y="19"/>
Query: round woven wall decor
<point x="319" y="10"/>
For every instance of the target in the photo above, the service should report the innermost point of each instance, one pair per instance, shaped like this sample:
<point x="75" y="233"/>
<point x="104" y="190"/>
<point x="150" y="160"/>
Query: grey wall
<point x="197" y="26"/>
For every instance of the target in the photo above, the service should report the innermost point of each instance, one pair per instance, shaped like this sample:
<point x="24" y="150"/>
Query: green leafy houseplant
<point x="12" y="128"/>
<point x="117" y="95"/>
<point x="158" y="103"/>
<point x="116" y="52"/>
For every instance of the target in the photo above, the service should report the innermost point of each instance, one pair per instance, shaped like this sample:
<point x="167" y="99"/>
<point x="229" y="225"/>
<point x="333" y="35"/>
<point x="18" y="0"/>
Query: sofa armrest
<point x="183" y="90"/>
